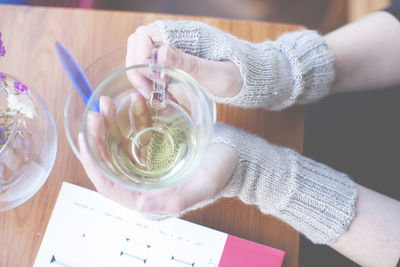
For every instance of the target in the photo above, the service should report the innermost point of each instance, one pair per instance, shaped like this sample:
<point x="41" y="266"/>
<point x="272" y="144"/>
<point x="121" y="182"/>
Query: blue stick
<point x="76" y="75"/>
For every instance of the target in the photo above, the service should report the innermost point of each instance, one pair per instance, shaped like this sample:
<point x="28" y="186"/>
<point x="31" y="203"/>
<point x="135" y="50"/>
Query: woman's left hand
<point x="204" y="184"/>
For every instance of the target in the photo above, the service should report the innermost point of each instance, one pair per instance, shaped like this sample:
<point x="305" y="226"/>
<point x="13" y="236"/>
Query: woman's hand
<point x="297" y="68"/>
<point x="212" y="175"/>
<point x="221" y="78"/>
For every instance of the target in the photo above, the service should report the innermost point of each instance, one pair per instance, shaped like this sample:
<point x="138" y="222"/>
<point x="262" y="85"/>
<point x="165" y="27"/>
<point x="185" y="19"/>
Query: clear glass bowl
<point x="187" y="112"/>
<point x="28" y="143"/>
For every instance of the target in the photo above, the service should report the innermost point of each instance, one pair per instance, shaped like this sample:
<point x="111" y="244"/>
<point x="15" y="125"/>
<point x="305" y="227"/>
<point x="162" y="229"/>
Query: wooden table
<point x="30" y="33"/>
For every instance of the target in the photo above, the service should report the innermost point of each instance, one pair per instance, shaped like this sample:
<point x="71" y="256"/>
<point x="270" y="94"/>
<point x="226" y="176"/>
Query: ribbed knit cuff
<point x="312" y="64"/>
<point x="316" y="200"/>
<point x="320" y="202"/>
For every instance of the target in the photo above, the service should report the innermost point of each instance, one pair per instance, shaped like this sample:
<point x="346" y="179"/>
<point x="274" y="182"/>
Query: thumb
<point x="221" y="78"/>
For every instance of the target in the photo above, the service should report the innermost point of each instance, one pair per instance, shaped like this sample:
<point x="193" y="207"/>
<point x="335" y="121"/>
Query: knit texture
<point x="316" y="200"/>
<point x="296" y="68"/>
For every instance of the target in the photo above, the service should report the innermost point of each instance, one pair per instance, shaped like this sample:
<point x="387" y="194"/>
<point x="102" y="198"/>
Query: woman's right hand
<point x="296" y="68"/>
<point x="221" y="78"/>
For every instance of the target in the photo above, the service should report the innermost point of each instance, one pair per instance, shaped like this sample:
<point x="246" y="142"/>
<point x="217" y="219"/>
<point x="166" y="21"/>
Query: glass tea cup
<point x="163" y="145"/>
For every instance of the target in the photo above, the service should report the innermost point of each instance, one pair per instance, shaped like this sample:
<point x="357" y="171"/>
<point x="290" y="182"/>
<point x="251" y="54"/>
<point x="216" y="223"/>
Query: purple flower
<point x="21" y="88"/>
<point x="2" y="48"/>
<point x="2" y="141"/>
<point x="2" y="76"/>
<point x="2" y="51"/>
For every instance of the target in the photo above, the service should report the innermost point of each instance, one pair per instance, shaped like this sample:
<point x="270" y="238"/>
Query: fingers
<point x="95" y="175"/>
<point x="212" y="175"/>
<point x="201" y="188"/>
<point x="97" y="129"/>
<point x="105" y="185"/>
<point x="139" y="47"/>
<point x="140" y="81"/>
<point x="221" y="78"/>
<point x="107" y="109"/>
<point x="129" y="198"/>
<point x="139" y="117"/>
<point x="97" y="132"/>
<point x="208" y="180"/>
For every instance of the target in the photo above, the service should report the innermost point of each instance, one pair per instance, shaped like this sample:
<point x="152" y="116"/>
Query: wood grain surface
<point x="30" y="33"/>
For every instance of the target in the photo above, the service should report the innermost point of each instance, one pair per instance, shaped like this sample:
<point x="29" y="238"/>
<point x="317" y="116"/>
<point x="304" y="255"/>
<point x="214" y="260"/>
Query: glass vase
<point x="28" y="142"/>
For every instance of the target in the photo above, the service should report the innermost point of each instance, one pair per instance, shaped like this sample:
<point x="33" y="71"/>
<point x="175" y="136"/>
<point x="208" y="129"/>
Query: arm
<point x="297" y="68"/>
<point x="367" y="53"/>
<point x="323" y="204"/>
<point x="373" y="238"/>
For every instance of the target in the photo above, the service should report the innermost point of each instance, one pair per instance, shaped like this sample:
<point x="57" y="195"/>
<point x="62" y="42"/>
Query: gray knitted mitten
<point x="296" y="68"/>
<point x="316" y="200"/>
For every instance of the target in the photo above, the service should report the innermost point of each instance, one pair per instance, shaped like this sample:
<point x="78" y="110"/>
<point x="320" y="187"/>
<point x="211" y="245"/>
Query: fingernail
<point x="96" y="126"/>
<point x="102" y="102"/>
<point x="143" y="92"/>
<point x="90" y="119"/>
<point x="81" y="142"/>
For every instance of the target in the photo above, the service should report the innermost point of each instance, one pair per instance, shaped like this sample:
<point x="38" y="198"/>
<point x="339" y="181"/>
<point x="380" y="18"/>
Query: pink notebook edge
<point x="239" y="252"/>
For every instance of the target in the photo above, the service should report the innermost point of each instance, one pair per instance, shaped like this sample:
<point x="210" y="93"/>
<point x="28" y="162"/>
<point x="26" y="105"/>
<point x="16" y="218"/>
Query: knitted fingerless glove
<point x="316" y="200"/>
<point x="296" y="68"/>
